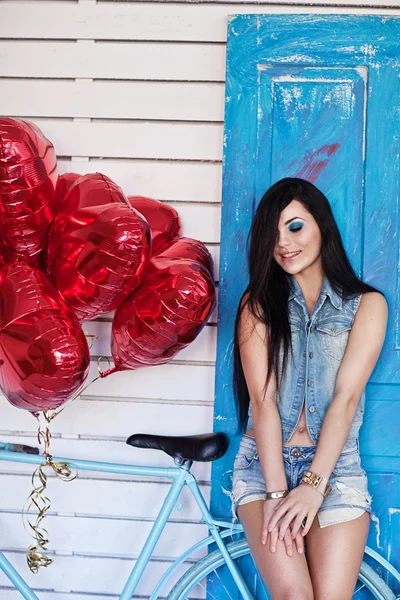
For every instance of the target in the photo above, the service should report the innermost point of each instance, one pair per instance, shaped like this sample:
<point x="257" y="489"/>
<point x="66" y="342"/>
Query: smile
<point x="290" y="256"/>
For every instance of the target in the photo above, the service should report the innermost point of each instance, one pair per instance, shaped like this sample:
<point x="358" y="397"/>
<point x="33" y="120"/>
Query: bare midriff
<point x="300" y="437"/>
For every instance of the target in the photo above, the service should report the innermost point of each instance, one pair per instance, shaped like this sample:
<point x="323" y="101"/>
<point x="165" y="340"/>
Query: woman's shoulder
<point x="251" y="317"/>
<point x="373" y="300"/>
<point x="372" y="305"/>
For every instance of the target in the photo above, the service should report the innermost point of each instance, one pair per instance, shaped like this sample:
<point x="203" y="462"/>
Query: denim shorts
<point x="348" y="499"/>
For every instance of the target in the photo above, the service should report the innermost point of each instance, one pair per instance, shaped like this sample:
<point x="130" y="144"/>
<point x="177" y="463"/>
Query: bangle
<point x="277" y="494"/>
<point x="314" y="481"/>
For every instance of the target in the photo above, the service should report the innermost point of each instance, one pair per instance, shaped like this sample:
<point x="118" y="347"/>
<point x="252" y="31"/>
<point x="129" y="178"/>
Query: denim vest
<point x="319" y="343"/>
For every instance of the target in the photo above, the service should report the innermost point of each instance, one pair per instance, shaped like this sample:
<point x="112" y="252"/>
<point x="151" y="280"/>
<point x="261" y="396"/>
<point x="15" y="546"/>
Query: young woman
<point x="308" y="334"/>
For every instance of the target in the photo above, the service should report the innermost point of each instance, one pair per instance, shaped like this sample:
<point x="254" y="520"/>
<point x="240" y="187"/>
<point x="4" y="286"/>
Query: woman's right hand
<point x="269" y="506"/>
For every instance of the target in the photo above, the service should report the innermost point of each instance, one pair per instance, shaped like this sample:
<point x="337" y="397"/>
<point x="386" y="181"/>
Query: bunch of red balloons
<point x="74" y="247"/>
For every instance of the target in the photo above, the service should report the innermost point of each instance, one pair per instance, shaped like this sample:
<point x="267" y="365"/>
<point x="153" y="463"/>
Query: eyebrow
<point x="290" y="220"/>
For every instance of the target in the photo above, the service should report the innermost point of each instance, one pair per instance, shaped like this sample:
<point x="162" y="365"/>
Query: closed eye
<point x="296" y="229"/>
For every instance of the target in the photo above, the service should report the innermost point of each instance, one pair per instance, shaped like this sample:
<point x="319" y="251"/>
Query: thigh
<point x="286" y="577"/>
<point x="334" y="555"/>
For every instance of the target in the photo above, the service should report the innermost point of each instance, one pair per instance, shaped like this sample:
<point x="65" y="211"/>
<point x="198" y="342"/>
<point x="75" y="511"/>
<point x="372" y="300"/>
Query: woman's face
<point x="297" y="232"/>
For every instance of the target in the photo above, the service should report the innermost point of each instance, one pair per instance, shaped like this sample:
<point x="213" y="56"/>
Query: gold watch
<point x="315" y="481"/>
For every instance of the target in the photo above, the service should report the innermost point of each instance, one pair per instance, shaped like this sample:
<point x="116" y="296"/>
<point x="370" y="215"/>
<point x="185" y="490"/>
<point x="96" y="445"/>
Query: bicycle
<point x="227" y="556"/>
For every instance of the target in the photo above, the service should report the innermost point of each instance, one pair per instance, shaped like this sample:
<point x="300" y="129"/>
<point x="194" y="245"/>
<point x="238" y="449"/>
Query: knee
<point x="295" y="593"/>
<point x="335" y="595"/>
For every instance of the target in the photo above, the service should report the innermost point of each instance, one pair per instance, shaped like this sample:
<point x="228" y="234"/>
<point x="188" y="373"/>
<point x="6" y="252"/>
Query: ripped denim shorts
<point x="349" y="497"/>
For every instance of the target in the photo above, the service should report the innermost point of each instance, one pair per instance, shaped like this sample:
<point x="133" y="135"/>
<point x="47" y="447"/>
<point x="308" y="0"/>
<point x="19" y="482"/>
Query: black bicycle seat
<point x="202" y="448"/>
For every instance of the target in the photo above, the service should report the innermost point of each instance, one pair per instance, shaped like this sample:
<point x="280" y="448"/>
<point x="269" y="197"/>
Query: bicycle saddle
<point x="203" y="448"/>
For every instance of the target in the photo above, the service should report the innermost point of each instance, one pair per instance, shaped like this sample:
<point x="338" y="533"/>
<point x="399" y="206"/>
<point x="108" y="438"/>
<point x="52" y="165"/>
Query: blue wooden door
<point x="318" y="96"/>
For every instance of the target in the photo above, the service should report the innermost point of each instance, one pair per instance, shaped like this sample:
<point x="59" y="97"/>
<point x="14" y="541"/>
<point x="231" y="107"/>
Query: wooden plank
<point x="116" y="139"/>
<point x="179" y="101"/>
<point x="376" y="3"/>
<point x="100" y="497"/>
<point x="213" y="317"/>
<point x="119" y="418"/>
<point x="174" y="21"/>
<point x="202" y="349"/>
<point x="170" y="181"/>
<point x="103" y="536"/>
<point x="83" y="574"/>
<point x="103" y="449"/>
<point x="136" y="60"/>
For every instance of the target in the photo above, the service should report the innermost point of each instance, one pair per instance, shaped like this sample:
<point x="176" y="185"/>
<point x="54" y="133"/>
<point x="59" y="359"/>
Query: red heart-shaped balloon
<point x="99" y="247"/>
<point x="44" y="356"/>
<point x="163" y="219"/>
<point x="164" y="314"/>
<point x="184" y="247"/>
<point x="28" y="176"/>
<point x="64" y="184"/>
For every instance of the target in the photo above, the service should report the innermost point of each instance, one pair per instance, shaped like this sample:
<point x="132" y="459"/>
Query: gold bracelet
<point x="277" y="494"/>
<point x="314" y="481"/>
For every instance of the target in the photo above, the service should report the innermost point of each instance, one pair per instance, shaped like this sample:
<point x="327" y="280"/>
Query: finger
<point x="299" y="540"/>
<point x="279" y="504"/>
<point x="288" y="543"/>
<point x="278" y="515"/>
<point x="285" y="522"/>
<point x="310" y="519"/>
<point x="264" y="532"/>
<point x="297" y="523"/>
<point x="273" y="539"/>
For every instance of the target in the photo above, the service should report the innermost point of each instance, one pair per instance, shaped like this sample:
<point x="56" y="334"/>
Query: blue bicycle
<point x="225" y="552"/>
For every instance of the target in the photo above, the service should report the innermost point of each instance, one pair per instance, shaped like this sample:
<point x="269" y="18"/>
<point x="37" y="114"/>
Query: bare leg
<point x="334" y="555"/>
<point x="286" y="577"/>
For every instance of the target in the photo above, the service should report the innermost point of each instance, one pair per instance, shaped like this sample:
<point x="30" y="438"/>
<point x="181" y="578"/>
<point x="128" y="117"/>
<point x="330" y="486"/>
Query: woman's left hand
<point x="302" y="502"/>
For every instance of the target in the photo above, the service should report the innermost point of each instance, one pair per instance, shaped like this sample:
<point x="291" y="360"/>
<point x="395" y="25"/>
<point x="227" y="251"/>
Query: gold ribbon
<point x="38" y="500"/>
<point x="90" y="336"/>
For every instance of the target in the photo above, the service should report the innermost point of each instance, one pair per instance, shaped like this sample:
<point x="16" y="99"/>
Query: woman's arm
<point x="252" y="337"/>
<point x="267" y="423"/>
<point x="362" y="352"/>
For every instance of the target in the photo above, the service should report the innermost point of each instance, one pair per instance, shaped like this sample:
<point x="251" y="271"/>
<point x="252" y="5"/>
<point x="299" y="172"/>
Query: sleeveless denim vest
<point x="319" y="343"/>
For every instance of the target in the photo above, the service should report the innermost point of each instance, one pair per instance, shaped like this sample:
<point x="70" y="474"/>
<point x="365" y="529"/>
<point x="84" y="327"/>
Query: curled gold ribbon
<point x="90" y="336"/>
<point x="38" y="500"/>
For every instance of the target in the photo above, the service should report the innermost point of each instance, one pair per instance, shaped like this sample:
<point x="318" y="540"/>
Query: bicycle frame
<point x="180" y="476"/>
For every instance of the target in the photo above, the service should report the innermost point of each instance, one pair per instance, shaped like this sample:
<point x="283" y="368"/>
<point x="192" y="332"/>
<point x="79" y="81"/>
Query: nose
<point x="282" y="241"/>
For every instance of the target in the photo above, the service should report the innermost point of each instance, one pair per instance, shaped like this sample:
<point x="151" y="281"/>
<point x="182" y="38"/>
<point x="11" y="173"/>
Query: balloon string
<point x="37" y="499"/>
<point x="103" y="374"/>
<point x="40" y="502"/>
<point x="81" y="389"/>
<point x="84" y="387"/>
<point x="92" y="337"/>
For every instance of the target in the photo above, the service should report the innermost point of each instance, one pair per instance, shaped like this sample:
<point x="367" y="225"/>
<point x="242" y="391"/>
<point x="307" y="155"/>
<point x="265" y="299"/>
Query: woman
<point x="308" y="334"/>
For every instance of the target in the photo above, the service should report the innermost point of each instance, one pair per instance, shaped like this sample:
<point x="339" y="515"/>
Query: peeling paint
<point x="375" y="519"/>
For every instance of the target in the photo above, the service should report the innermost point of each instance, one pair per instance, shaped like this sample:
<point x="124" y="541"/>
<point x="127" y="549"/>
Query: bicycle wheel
<point x="193" y="583"/>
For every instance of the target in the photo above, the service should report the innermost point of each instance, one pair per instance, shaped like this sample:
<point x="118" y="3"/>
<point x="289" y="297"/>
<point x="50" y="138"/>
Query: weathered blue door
<point x="318" y="96"/>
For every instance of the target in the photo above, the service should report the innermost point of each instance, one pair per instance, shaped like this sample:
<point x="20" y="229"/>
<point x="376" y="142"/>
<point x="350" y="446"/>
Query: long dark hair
<point x="268" y="289"/>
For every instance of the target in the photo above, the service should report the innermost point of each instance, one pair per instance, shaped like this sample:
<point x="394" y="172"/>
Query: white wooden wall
<point x="134" y="90"/>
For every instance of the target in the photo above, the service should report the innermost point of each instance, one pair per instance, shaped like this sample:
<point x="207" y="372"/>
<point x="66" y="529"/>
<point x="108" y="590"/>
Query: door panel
<point x="317" y="96"/>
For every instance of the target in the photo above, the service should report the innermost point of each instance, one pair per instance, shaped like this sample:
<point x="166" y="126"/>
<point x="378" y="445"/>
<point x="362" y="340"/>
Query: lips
<point x="291" y="255"/>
